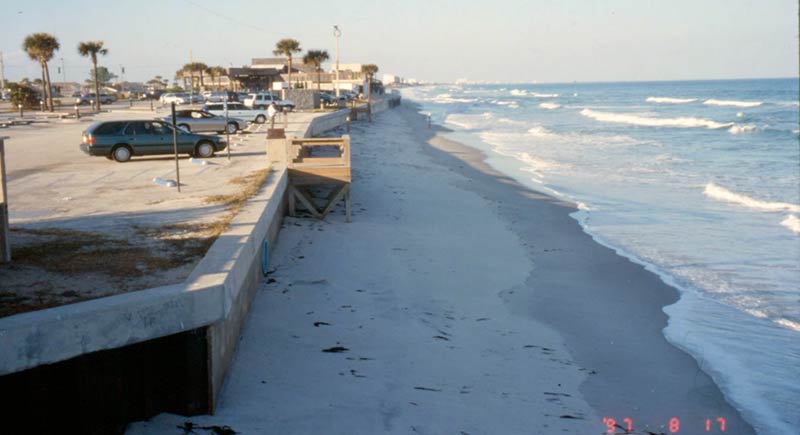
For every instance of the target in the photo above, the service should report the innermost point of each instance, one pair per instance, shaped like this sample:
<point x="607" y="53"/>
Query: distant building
<point x="354" y="67"/>
<point x="391" y="79"/>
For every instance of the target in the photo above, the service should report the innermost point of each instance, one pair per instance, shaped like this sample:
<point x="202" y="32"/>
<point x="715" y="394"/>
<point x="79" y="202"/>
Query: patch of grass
<point x="249" y="184"/>
<point x="74" y="255"/>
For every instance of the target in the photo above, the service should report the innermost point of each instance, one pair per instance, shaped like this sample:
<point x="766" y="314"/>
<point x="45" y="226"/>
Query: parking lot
<point x="63" y="199"/>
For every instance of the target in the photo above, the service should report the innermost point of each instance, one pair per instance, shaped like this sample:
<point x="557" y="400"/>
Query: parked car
<point x="91" y="96"/>
<point x="238" y="110"/>
<point x="328" y="99"/>
<point x="155" y="94"/>
<point x="349" y="95"/>
<point x="180" y="98"/>
<point x="220" y="96"/>
<point x="121" y="140"/>
<point x="200" y="120"/>
<point x="262" y="100"/>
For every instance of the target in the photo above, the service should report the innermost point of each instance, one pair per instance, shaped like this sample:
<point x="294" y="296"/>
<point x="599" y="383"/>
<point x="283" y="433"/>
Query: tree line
<point x="41" y="47"/>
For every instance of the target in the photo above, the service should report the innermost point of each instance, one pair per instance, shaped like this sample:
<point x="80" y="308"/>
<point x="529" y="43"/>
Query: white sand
<point x="413" y="289"/>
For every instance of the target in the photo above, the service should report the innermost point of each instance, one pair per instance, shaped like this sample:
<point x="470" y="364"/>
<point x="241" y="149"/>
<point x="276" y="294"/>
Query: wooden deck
<point x="319" y="164"/>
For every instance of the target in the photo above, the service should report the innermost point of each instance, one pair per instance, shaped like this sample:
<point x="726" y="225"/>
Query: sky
<point x="434" y="40"/>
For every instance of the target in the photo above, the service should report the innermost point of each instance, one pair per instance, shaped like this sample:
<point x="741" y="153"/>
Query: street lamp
<point x="337" y="33"/>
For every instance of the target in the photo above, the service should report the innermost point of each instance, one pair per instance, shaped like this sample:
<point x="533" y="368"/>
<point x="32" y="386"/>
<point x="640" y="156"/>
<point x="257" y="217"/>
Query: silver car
<point x="237" y="110"/>
<point x="199" y="120"/>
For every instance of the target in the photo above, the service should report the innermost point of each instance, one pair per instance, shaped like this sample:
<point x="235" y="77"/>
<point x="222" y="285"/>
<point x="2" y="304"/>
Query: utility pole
<point x="191" y="85"/>
<point x="122" y="78"/>
<point x="63" y="72"/>
<point x="2" y="73"/>
<point x="337" y="33"/>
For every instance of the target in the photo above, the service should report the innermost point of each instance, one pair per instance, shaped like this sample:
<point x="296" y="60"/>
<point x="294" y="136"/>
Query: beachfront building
<point x="392" y="79"/>
<point x="305" y="76"/>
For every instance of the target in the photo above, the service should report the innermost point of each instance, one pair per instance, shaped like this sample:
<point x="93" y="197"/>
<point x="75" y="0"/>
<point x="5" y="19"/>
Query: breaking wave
<point x="550" y="106"/>
<point x="734" y="103"/>
<point x="540" y="131"/>
<point x="747" y="128"/>
<point x="448" y="98"/>
<point x="793" y="223"/>
<point x="722" y="194"/>
<point x="523" y="93"/>
<point x="624" y="118"/>
<point x="469" y="121"/>
<point x="670" y="100"/>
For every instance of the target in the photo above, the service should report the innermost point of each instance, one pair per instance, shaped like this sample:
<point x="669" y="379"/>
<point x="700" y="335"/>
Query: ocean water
<point x="699" y="181"/>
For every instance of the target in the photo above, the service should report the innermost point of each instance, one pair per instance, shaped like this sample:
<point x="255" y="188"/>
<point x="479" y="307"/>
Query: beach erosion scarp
<point x="457" y="300"/>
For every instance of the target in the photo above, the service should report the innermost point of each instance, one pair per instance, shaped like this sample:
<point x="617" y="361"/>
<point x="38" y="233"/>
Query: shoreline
<point x="601" y="389"/>
<point x="436" y="297"/>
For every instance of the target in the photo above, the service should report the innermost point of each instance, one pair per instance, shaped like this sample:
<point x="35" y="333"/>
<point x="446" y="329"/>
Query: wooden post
<point x="5" y="244"/>
<point x="175" y="146"/>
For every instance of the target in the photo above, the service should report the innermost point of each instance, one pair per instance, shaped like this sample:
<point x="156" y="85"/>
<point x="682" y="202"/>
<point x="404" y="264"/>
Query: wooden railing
<point x="319" y="160"/>
<point x="316" y="162"/>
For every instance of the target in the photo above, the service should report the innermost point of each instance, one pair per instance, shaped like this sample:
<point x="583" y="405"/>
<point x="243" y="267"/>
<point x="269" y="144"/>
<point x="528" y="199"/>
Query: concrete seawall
<point x="131" y="356"/>
<point x="181" y="337"/>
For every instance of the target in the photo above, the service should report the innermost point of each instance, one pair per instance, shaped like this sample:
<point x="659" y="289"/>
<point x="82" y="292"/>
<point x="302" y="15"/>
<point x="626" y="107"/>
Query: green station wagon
<point x="120" y="140"/>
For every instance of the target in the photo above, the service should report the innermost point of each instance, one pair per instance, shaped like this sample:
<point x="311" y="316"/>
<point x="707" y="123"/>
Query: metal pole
<point x="2" y="73"/>
<point x="337" y="33"/>
<point x="5" y="244"/>
<point x="191" y="81"/>
<point x="227" y="133"/>
<point x="21" y="113"/>
<point x="63" y="72"/>
<point x="175" y="145"/>
<point x="77" y="112"/>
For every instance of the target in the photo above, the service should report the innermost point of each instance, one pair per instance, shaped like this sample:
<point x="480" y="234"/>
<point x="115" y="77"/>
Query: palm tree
<point x="91" y="49"/>
<point x="194" y="67"/>
<point x="181" y="74"/>
<point x="285" y="47"/>
<point x="41" y="47"/>
<point x="217" y="72"/>
<point x="369" y="70"/>
<point x="316" y="57"/>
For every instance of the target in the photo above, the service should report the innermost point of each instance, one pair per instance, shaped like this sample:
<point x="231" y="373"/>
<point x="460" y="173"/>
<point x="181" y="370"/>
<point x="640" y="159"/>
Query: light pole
<point x="122" y="78"/>
<point x="337" y="33"/>
<point x="63" y="73"/>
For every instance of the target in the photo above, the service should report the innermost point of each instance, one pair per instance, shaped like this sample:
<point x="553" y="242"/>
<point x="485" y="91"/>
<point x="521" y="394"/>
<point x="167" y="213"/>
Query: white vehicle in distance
<point x="262" y="100"/>
<point x="180" y="98"/>
<point x="237" y="110"/>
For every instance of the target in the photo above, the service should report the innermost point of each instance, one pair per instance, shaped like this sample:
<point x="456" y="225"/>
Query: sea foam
<point x="722" y="194"/>
<point x="625" y="118"/>
<point x="670" y="100"/>
<point x="734" y="103"/>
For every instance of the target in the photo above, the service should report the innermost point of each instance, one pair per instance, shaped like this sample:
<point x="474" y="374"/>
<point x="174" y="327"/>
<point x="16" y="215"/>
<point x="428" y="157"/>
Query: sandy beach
<point x="457" y="301"/>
